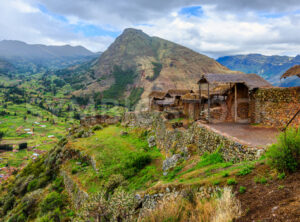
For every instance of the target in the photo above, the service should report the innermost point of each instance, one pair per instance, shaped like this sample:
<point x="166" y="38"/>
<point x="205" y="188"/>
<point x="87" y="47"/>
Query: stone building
<point x="156" y="100"/>
<point x="228" y="96"/>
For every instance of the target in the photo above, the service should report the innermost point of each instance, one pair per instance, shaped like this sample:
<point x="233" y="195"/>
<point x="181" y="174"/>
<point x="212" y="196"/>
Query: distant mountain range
<point x="135" y="63"/>
<point x="30" y="57"/>
<point x="269" y="67"/>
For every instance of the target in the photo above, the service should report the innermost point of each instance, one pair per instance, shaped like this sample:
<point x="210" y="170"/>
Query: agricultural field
<point x="25" y="123"/>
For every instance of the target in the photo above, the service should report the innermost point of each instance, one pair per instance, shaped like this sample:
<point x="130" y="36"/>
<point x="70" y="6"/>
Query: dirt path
<point x="256" y="136"/>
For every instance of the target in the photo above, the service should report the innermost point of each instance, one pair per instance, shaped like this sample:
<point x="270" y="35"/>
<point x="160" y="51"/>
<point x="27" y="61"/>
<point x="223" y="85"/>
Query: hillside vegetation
<point x="109" y="172"/>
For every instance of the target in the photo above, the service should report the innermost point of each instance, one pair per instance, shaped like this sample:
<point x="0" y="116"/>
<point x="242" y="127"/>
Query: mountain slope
<point x="269" y="67"/>
<point x="22" y="54"/>
<point x="6" y="67"/>
<point x="148" y="63"/>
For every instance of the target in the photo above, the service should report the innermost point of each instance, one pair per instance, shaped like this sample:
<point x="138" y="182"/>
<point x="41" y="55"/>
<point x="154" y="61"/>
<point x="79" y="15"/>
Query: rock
<point x="171" y="162"/>
<point x="168" y="190"/>
<point x="124" y="133"/>
<point x="151" y="141"/>
<point x="138" y="197"/>
<point x="78" y="163"/>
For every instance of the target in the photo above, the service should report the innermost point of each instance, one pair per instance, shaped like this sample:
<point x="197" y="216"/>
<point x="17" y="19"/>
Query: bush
<point x="58" y="184"/>
<point x="281" y="176"/>
<point x="231" y="181"/>
<point x="245" y="171"/>
<point x="261" y="180"/>
<point x="22" y="146"/>
<point x="52" y="201"/>
<point x="242" y="189"/>
<point x="32" y="185"/>
<point x="1" y="135"/>
<point x="285" y="154"/>
<point x="97" y="127"/>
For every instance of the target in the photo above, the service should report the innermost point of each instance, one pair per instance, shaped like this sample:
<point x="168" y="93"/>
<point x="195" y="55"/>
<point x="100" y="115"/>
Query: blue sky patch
<point x="86" y="29"/>
<point x="192" y="11"/>
<point x="44" y="10"/>
<point x="93" y="30"/>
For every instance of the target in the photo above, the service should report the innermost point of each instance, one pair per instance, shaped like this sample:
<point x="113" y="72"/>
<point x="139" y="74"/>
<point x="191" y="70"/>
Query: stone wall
<point x="275" y="106"/>
<point x="198" y="136"/>
<point x="99" y="119"/>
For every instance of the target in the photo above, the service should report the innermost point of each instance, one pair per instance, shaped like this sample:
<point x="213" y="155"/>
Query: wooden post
<point x="208" y="103"/>
<point x="200" y="100"/>
<point x="235" y="103"/>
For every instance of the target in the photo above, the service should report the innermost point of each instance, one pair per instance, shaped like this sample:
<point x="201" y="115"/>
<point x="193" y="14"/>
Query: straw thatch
<point x="294" y="71"/>
<point x="179" y="92"/>
<point x="165" y="102"/>
<point x="252" y="81"/>
<point x="158" y="94"/>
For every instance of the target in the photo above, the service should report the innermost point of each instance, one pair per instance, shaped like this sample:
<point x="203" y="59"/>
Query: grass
<point x="115" y="154"/>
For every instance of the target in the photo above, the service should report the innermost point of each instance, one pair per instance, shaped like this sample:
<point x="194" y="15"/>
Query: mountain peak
<point x="132" y="30"/>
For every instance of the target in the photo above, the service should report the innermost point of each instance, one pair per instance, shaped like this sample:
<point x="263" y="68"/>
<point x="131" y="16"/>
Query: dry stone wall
<point x="275" y="106"/>
<point x="197" y="136"/>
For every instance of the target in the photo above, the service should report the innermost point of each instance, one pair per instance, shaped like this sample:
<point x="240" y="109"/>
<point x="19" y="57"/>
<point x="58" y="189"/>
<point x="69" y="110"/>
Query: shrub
<point x="74" y="170"/>
<point x="285" y="154"/>
<point x="1" y="135"/>
<point x="22" y="146"/>
<point x="58" y="184"/>
<point x="231" y="181"/>
<point x="281" y="176"/>
<point x="9" y="203"/>
<point x="261" y="180"/>
<point x="216" y="182"/>
<point x="52" y="201"/>
<point x="242" y="189"/>
<point x="32" y="185"/>
<point x="134" y="163"/>
<point x="245" y="171"/>
<point x="97" y="127"/>
<point x="226" y="174"/>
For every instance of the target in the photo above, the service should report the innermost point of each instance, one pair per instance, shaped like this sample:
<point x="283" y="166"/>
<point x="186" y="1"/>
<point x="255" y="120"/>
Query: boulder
<point x="171" y="162"/>
<point x="151" y="141"/>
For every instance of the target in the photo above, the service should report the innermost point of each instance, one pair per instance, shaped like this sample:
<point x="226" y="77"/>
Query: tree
<point x="1" y="135"/>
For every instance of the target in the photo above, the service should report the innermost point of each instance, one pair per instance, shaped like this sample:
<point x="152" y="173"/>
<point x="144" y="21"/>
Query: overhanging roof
<point x="252" y="81"/>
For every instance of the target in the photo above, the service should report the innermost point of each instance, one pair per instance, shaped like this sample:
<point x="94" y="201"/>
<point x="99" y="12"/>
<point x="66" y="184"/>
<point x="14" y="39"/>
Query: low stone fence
<point x="198" y="136"/>
<point x="100" y="119"/>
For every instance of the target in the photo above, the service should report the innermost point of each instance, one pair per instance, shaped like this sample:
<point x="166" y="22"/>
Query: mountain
<point x="23" y="55"/>
<point x="135" y="63"/>
<point x="6" y="67"/>
<point x="269" y="67"/>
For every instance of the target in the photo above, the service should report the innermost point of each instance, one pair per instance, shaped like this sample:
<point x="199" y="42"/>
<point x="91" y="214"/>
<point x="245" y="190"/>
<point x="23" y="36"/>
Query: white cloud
<point x="225" y="27"/>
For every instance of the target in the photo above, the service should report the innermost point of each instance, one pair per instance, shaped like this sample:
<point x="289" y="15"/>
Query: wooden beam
<point x="200" y="99"/>
<point x="208" y="103"/>
<point x="235" y="103"/>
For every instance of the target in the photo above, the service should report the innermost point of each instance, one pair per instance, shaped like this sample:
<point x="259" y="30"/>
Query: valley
<point x="130" y="135"/>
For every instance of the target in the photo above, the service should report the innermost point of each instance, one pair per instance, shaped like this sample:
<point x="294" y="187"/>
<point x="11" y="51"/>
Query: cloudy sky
<point x="212" y="27"/>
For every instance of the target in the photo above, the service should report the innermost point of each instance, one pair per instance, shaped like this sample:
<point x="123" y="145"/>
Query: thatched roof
<point x="179" y="92"/>
<point x="165" y="102"/>
<point x="252" y="81"/>
<point x="191" y="96"/>
<point x="158" y="94"/>
<point x="294" y="71"/>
